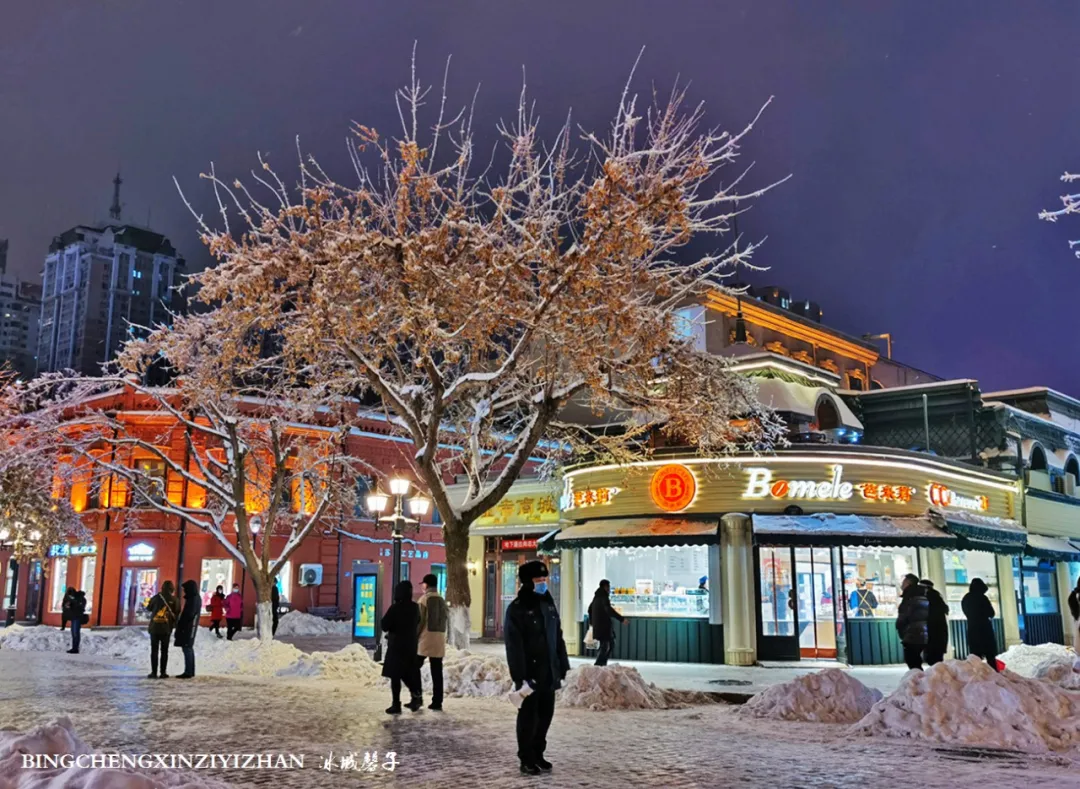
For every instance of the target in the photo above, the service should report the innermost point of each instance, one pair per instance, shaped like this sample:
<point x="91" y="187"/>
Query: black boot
<point x="415" y="703"/>
<point x="393" y="709"/>
<point x="543" y="764"/>
<point x="529" y="769"/>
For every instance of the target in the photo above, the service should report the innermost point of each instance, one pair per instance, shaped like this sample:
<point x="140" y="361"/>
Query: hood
<point x="191" y="589"/>
<point x="168" y="589"/>
<point x="978" y="586"/>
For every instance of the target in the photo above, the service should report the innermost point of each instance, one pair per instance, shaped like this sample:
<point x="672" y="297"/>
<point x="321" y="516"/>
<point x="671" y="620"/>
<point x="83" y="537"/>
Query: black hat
<point x="530" y="571"/>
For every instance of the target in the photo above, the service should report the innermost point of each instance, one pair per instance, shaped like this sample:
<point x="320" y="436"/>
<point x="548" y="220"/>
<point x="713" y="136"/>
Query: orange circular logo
<point x="673" y="488"/>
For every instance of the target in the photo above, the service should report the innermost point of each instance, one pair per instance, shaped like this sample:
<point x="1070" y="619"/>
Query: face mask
<point x="540" y="587"/>
<point x="236" y="589"/>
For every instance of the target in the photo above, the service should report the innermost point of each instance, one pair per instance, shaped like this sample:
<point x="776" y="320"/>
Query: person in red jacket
<point x="217" y="610"/>
<point x="234" y="612"/>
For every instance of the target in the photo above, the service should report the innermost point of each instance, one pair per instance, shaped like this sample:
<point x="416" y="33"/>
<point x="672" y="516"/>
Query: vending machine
<point x="367" y="584"/>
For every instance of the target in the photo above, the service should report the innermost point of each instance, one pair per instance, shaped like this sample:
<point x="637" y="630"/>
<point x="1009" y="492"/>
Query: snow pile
<point x="299" y="623"/>
<point x="59" y="738"/>
<point x="1052" y="662"/>
<point x="468" y="674"/>
<point x="829" y="696"/>
<point x="352" y="663"/>
<point x="249" y="656"/>
<point x="610" y="688"/>
<point x="968" y="703"/>
<point x="126" y="643"/>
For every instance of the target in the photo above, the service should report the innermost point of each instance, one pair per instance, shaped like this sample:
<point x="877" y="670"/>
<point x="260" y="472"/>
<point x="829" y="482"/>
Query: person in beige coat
<point x="434" y="617"/>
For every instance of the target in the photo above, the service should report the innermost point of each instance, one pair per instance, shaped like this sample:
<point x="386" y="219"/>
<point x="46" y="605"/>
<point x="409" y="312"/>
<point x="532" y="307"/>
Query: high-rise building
<point x="102" y="286"/>
<point x="20" y="306"/>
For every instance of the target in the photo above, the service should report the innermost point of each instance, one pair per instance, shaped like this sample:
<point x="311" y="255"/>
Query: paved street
<point x="472" y="744"/>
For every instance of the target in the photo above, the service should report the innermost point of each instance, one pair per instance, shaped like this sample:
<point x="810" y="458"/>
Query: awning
<point x="781" y="395"/>
<point x="505" y="529"/>
<point x="1053" y="548"/>
<point x="634" y="532"/>
<point x="830" y="529"/>
<point x="983" y="532"/>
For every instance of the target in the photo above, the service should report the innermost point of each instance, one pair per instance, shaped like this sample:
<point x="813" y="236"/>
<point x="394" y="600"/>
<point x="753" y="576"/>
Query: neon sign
<point x="942" y="496"/>
<point x="590" y="497"/>
<point x="140" y="552"/>
<point x="673" y="488"/>
<point x="761" y="485"/>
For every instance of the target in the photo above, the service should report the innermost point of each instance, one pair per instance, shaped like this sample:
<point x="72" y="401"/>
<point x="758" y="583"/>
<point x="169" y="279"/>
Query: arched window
<point x="875" y="384"/>
<point x="1037" y="461"/>
<point x="1072" y="466"/>
<point x="826" y="415"/>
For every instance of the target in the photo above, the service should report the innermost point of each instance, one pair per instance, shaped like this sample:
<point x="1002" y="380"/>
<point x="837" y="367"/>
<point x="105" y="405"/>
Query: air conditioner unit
<point x="310" y="574"/>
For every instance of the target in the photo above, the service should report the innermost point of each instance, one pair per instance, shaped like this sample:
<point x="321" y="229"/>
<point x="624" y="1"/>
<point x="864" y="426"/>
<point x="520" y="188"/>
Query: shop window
<point x="1039" y="583"/>
<point x="283" y="580"/>
<point x="650" y="581"/>
<point x="86" y="580"/>
<point x="439" y="571"/>
<point x="872" y="579"/>
<point x="777" y="592"/>
<point x="151" y="474"/>
<point x="405" y="571"/>
<point x="215" y="573"/>
<point x="961" y="567"/>
<point x="59" y="584"/>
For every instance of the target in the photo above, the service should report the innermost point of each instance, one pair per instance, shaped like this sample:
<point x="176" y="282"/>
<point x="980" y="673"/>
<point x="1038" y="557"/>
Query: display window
<point x="86" y="581"/>
<point x="59" y="584"/>
<point x="961" y="567"/>
<point x="1039" y="582"/>
<point x="665" y="582"/>
<point x="777" y="593"/>
<point x="283" y="579"/>
<point x="872" y="579"/>
<point x="215" y="573"/>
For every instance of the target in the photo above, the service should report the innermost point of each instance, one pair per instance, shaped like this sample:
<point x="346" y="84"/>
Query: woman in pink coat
<point x="234" y="611"/>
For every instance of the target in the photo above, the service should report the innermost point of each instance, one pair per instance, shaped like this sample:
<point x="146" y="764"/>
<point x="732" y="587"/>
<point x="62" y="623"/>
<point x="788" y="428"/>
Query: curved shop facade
<point x="796" y="554"/>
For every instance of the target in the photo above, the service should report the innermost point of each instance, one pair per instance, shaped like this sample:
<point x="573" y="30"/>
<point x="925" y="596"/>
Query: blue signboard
<point x="365" y="588"/>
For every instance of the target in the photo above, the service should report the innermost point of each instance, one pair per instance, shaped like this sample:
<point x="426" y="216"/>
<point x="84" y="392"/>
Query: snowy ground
<point x="112" y="707"/>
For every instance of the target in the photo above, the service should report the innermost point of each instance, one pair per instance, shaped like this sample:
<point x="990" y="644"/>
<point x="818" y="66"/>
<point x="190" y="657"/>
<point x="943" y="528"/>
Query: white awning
<point x="829" y="529"/>
<point x="794" y="398"/>
<point x="1055" y="549"/>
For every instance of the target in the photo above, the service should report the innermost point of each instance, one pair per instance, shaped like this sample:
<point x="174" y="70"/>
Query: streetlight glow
<point x="419" y="505"/>
<point x="4" y="534"/>
<point x="35" y="535"/>
<point x="399" y="486"/>
<point x="376" y="502"/>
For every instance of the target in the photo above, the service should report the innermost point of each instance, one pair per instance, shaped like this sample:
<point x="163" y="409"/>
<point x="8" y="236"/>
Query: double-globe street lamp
<point x="418" y="507"/>
<point x="23" y="536"/>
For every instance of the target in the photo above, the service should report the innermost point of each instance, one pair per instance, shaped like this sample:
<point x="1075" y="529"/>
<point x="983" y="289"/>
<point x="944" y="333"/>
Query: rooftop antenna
<point x="114" y="209"/>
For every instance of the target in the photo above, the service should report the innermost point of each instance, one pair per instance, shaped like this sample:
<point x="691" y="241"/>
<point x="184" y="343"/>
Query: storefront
<point x="1040" y="580"/>
<point x="801" y="552"/>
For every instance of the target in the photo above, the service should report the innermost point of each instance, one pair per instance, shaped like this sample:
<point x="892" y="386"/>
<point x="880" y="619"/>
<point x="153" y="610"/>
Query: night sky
<point x="922" y="137"/>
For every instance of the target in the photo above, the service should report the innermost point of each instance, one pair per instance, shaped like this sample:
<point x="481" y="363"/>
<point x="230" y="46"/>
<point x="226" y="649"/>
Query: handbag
<point x="590" y="641"/>
<point x="84" y="619"/>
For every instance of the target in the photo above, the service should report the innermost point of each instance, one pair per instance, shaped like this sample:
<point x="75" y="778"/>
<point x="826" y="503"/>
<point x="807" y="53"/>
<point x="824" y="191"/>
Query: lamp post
<point x="418" y="506"/>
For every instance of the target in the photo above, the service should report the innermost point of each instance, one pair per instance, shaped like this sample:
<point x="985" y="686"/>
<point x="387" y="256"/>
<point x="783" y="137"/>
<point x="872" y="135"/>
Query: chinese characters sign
<point x="519" y="545"/>
<point x="523" y="509"/>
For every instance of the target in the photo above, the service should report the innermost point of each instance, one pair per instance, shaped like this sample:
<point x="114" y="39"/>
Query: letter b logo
<point x="673" y="488"/>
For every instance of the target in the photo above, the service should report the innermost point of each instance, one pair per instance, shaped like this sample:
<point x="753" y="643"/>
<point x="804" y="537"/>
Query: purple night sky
<point x="922" y="137"/>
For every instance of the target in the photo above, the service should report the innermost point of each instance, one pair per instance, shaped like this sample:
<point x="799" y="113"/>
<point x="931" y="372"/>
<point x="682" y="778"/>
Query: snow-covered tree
<point x="248" y="464"/>
<point x="505" y="313"/>
<point x="1070" y="204"/>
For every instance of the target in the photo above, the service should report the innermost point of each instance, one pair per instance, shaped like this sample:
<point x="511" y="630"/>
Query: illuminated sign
<point x="521" y="509"/>
<point x="518" y="545"/>
<point x="140" y="552"/>
<point x="673" y="488"/>
<point x="761" y="485"/>
<point x="364" y="588"/>
<point x="941" y="496"/>
<point x="72" y="550"/>
<point x="592" y="497"/>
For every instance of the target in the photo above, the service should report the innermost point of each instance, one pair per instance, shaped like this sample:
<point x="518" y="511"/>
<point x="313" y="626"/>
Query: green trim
<point x="844" y="540"/>
<point x="1053" y="556"/>
<point x="977" y="537"/>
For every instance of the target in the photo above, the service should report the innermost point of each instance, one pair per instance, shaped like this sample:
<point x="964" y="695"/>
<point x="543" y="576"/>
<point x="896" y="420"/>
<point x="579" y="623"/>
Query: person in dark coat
<point x="187" y="626"/>
<point x="77" y="610"/>
<point x="65" y="607"/>
<point x="600" y="615"/>
<point x="980" y="622"/>
<point x="275" y="603"/>
<point x="164" y="611"/>
<point x="937" y="641"/>
<point x="401" y="664"/>
<point x="536" y="653"/>
<point x="912" y="620"/>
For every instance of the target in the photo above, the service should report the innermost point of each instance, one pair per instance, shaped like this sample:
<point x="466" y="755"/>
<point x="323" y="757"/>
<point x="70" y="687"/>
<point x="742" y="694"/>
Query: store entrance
<point x="138" y="588"/>
<point x="798" y="606"/>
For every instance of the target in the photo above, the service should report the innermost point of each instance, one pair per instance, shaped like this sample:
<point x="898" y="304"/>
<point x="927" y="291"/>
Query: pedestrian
<point x="1074" y="609"/>
<point x="234" y="612"/>
<point x="275" y="604"/>
<point x="982" y="642"/>
<point x="164" y="611"/>
<point x="600" y="615"/>
<point x="401" y="663"/>
<point x="536" y="653"/>
<point x="217" y="610"/>
<point x="912" y="620"/>
<point x="937" y="625"/>
<point x="187" y="626"/>
<point x="77" y="613"/>
<point x="65" y="607"/>
<point x="862" y="602"/>
<point x="434" y="619"/>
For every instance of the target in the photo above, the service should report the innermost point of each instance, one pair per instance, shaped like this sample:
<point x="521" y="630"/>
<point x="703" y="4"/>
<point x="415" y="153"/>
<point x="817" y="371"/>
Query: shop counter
<point x="665" y="639"/>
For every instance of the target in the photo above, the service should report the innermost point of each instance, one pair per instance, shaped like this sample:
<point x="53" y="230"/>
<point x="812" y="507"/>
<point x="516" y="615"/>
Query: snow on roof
<point x="915" y="387"/>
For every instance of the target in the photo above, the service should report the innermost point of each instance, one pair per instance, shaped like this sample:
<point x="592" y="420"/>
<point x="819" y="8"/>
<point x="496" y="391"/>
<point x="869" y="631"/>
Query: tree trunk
<point x="264" y="615"/>
<point x="458" y="596"/>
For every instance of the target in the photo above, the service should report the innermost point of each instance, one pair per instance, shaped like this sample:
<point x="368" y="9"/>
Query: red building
<point x="130" y="557"/>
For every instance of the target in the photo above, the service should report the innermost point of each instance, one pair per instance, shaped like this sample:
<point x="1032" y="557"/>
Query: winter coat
<point x="188" y="623"/>
<point x="157" y="602"/>
<point x="938" y="621"/>
<point x="65" y="605"/>
<point x="78" y="607"/>
<point x="535" y="648"/>
<point x="912" y="618"/>
<point x="434" y="619"/>
<point x="234" y="606"/>
<point x="401" y="623"/>
<point x="980" y="618"/>
<point x="217" y="606"/>
<point x="600" y="615"/>
<point x="1074" y="609"/>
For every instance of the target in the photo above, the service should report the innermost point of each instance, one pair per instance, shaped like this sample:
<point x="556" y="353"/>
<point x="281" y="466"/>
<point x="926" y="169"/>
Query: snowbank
<point x="618" y="687"/>
<point x="299" y="623"/>
<point x="249" y="656"/>
<point x="59" y="738"/>
<point x="1052" y="662"/>
<point x="468" y="674"/>
<point x="829" y="696"/>
<point x="968" y="703"/>
<point x="352" y="663"/>
<point x="124" y="643"/>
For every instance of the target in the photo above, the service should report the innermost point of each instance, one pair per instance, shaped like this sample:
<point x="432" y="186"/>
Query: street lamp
<point x="418" y="506"/>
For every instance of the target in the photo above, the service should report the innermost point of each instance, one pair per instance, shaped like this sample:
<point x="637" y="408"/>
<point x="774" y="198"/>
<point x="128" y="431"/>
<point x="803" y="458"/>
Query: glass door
<point x="816" y="604"/>
<point x="138" y="588"/>
<point x="508" y="571"/>
<point x="777" y="608"/>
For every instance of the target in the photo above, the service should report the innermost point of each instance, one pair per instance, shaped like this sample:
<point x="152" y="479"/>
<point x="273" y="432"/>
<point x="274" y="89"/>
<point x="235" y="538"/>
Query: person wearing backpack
<point x="77" y="613"/>
<point x="164" y="610"/>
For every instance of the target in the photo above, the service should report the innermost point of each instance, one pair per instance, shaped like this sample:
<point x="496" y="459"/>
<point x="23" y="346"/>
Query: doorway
<point x="33" y="592"/>
<point x="797" y="606"/>
<point x="139" y="585"/>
